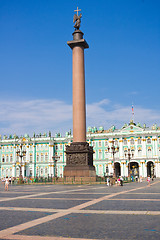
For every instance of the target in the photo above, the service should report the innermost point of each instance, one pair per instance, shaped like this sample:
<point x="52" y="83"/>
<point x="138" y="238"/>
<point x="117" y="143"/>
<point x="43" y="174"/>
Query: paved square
<point x="74" y="212"/>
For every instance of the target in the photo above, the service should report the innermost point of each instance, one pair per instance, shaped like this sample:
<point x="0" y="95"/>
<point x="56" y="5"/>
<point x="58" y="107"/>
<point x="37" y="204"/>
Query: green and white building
<point x="45" y="155"/>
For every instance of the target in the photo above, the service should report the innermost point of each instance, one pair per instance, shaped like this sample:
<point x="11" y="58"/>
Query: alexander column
<point x="79" y="155"/>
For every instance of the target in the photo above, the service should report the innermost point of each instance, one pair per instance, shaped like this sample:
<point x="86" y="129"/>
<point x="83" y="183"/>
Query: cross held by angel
<point x="77" y="19"/>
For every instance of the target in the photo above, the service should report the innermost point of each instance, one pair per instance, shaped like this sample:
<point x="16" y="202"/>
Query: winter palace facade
<point x="136" y="149"/>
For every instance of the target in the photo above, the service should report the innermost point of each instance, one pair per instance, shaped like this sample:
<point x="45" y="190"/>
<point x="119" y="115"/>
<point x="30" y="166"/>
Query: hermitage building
<point x="136" y="149"/>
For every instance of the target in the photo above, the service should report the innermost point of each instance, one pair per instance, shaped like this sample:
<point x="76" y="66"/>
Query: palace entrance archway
<point x="134" y="169"/>
<point x="150" y="168"/>
<point x="117" y="169"/>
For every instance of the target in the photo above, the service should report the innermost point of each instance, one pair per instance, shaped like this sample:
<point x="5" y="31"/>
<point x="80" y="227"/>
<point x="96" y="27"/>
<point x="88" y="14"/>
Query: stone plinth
<point x="79" y="162"/>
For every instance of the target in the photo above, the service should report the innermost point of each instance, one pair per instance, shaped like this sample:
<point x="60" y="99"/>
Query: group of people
<point x="118" y="181"/>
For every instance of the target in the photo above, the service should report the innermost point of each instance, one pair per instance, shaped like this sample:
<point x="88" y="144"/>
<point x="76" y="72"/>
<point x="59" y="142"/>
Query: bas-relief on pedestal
<point x="79" y="155"/>
<point x="79" y="161"/>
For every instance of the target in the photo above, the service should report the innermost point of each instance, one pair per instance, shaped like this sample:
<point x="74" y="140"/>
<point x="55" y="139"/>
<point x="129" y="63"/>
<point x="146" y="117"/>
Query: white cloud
<point x="35" y="115"/>
<point x="42" y="115"/>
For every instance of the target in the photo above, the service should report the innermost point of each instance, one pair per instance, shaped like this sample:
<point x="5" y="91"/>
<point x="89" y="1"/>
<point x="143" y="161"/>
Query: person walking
<point x="108" y="181"/>
<point x="6" y="183"/>
<point x="149" y="181"/>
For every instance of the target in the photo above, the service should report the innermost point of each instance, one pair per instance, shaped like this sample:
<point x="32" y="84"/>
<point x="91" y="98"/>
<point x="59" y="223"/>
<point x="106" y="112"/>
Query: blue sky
<point x="122" y="63"/>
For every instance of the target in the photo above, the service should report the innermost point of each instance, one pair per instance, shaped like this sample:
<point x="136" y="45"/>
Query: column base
<point x="79" y="162"/>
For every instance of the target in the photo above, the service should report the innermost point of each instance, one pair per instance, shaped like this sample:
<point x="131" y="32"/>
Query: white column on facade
<point x="14" y="162"/>
<point x="157" y="168"/>
<point x="121" y="153"/>
<point x="122" y="169"/>
<point x="110" y="168"/>
<point x="144" y="147"/>
<point x="22" y="170"/>
<point x="34" y="160"/>
<point x="51" y="160"/>
<point x="110" y="151"/>
<point x="155" y="147"/>
<point x="136" y="148"/>
<point x="13" y="170"/>
<point x="27" y="154"/>
<point x="145" y="169"/>
<point x="141" y="169"/>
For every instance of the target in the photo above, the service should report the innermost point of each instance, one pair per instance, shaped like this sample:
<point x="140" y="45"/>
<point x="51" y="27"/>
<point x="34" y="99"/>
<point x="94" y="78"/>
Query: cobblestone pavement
<point x="80" y="212"/>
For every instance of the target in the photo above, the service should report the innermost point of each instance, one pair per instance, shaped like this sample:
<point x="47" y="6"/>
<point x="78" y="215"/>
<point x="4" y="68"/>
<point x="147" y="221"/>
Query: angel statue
<point x="77" y="19"/>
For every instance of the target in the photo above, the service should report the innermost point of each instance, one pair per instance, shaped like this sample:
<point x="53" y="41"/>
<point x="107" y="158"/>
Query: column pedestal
<point x="79" y="162"/>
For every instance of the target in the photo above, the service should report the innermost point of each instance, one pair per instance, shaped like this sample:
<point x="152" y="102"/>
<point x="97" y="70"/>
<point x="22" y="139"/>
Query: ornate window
<point x="42" y="157"/>
<point x="106" y="143"/>
<point x="116" y="142"/>
<point x="132" y="141"/>
<point x="125" y="141"/>
<point x="148" y="140"/>
<point x="100" y="143"/>
<point x="149" y="152"/>
<point x="139" y="141"/>
<point x="139" y="152"/>
<point x="31" y="157"/>
<point x="41" y="171"/>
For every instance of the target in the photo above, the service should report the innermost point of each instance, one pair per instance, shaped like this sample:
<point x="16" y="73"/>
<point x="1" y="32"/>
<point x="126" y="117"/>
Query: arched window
<point x="148" y="140"/>
<point x="31" y="157"/>
<point x="132" y="141"/>
<point x="139" y="152"/>
<point x="41" y="171"/>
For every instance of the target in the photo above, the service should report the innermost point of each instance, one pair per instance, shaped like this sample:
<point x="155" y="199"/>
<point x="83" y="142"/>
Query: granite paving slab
<point x="40" y="203"/>
<point x="9" y="218"/>
<point x="99" y="227"/>
<point x="72" y="195"/>
<point x="137" y="196"/>
<point x="125" y="205"/>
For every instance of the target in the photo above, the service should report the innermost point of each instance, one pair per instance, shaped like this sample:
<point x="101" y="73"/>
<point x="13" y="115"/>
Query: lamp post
<point x="113" y="150"/>
<point x="21" y="153"/>
<point x="129" y="155"/>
